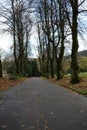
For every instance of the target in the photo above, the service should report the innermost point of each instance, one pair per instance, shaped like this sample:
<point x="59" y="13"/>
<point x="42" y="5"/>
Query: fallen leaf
<point x="51" y="113"/>
<point x="50" y="97"/>
<point x="31" y="128"/>
<point x="46" y="126"/>
<point x="42" y="115"/>
<point x="3" y="126"/>
<point x="16" y="115"/>
<point x="81" y="111"/>
<point x="23" y="125"/>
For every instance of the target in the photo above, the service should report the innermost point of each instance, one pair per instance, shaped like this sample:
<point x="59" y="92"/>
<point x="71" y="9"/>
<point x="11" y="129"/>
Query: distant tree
<point x="16" y="15"/>
<point x="42" y="49"/>
<point x="32" y="68"/>
<point x="52" y="20"/>
<point x="21" y="31"/>
<point x="1" y="56"/>
<point x="1" y="75"/>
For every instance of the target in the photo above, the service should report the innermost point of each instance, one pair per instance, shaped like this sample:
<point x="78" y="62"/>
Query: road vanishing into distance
<point x="38" y="104"/>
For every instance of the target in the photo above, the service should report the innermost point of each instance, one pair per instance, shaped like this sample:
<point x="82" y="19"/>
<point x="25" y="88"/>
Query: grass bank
<point x="79" y="88"/>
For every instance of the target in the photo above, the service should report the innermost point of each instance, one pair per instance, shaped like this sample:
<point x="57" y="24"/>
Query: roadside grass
<point x="80" y="88"/>
<point x="83" y="75"/>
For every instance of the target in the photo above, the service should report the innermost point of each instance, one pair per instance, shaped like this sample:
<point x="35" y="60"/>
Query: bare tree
<point x="42" y="49"/>
<point x="72" y="17"/>
<point x="18" y="22"/>
<point x="53" y="19"/>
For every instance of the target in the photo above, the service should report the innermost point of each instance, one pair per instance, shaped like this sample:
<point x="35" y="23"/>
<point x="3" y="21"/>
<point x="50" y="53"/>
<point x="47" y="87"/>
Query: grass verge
<point x="80" y="88"/>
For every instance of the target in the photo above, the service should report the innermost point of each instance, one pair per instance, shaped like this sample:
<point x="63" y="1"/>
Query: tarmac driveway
<point x="37" y="104"/>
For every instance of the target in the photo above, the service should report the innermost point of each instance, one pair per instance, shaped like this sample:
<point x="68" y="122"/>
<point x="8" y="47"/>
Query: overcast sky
<point x="6" y="41"/>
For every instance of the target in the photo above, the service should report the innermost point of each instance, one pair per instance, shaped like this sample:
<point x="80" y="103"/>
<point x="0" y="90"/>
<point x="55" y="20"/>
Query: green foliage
<point x="11" y="69"/>
<point x="80" y="91"/>
<point x="66" y="66"/>
<point x="83" y="74"/>
<point x="67" y="76"/>
<point x="32" y="68"/>
<point x="83" y="64"/>
<point x="13" y="77"/>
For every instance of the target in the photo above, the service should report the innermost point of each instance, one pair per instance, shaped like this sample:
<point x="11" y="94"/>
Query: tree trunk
<point x="52" y="67"/>
<point x="43" y="66"/>
<point x="1" y="69"/>
<point x="48" y="63"/>
<point x="62" y="37"/>
<point x="59" y="61"/>
<point x="74" y="62"/>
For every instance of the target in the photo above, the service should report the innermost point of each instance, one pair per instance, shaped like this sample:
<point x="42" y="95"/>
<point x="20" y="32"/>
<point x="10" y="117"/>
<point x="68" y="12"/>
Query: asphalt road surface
<point x="38" y="104"/>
